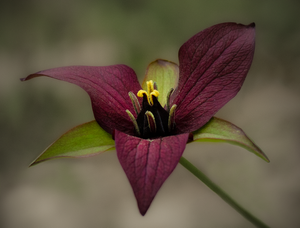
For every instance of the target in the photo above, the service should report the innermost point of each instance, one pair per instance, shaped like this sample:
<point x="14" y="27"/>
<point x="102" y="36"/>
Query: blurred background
<point x="94" y="192"/>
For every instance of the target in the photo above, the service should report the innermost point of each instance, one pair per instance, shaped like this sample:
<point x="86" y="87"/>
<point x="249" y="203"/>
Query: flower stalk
<point x="201" y="176"/>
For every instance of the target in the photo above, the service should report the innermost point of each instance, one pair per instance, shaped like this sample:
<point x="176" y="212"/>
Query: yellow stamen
<point x="154" y="93"/>
<point x="150" y="86"/>
<point x="141" y="93"/>
<point x="150" y="92"/>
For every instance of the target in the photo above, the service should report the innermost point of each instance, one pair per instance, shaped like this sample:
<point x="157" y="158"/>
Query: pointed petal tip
<point x="36" y="161"/>
<point x="213" y="65"/>
<point x="32" y="164"/>
<point x="148" y="163"/>
<point x="219" y="130"/>
<point x="108" y="88"/>
<point x="31" y="76"/>
<point x="143" y="211"/>
<point x="252" y="25"/>
<point x="267" y="160"/>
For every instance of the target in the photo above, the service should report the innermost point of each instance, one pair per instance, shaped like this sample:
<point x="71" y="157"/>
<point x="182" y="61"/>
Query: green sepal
<point x="218" y="130"/>
<point x="165" y="74"/>
<point x="84" y="140"/>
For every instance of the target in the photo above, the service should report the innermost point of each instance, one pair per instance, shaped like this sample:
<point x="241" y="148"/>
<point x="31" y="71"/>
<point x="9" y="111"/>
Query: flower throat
<point x="152" y="120"/>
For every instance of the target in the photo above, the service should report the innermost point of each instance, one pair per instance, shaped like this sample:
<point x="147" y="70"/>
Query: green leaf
<point x="218" y="130"/>
<point x="85" y="140"/>
<point x="165" y="74"/>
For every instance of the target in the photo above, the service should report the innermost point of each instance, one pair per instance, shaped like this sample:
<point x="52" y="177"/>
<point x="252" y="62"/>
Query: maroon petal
<point x="148" y="163"/>
<point x="108" y="88"/>
<point x="213" y="65"/>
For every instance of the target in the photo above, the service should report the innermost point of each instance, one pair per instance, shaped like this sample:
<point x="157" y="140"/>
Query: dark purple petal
<point x="108" y="88"/>
<point x="148" y="163"/>
<point x="213" y="65"/>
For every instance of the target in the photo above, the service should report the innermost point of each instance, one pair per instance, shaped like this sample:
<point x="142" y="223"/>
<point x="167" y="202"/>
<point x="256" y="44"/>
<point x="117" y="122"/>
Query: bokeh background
<point x="94" y="192"/>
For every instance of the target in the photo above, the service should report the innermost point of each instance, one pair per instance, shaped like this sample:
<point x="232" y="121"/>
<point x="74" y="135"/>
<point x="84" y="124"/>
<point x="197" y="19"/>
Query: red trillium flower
<point x="152" y="123"/>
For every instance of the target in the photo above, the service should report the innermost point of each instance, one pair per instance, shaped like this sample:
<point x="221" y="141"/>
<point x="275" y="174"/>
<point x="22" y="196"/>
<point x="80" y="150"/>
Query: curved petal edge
<point x="218" y="130"/>
<point x="213" y="65"/>
<point x="108" y="88"/>
<point x="148" y="163"/>
<point x="85" y="140"/>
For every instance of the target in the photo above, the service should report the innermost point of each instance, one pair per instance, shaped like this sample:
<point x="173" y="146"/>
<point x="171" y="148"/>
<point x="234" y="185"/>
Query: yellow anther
<point x="150" y="86"/>
<point x="141" y="93"/>
<point x="150" y="92"/>
<point x="153" y="93"/>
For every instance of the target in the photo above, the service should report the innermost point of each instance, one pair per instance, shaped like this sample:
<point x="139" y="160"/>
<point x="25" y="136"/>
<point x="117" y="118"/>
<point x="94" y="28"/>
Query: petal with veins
<point x="213" y="65"/>
<point x="108" y="88"/>
<point x="148" y="163"/>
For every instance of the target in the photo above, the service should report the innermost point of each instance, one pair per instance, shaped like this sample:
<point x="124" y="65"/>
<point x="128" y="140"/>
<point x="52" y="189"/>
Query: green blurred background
<point x="94" y="192"/>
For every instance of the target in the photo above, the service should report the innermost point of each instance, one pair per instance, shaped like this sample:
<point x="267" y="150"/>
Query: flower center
<point x="152" y="120"/>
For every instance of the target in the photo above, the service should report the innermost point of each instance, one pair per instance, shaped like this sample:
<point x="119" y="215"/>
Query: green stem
<point x="201" y="176"/>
